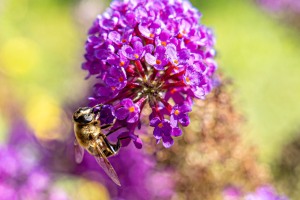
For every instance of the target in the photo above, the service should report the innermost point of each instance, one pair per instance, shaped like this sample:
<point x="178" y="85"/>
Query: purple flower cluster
<point x="155" y="52"/>
<point x="261" y="193"/>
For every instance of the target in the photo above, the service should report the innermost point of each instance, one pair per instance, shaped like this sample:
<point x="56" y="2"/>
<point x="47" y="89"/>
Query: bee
<point x="87" y="128"/>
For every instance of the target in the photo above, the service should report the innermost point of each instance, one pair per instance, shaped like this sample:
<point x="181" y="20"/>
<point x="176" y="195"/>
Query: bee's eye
<point x="84" y="119"/>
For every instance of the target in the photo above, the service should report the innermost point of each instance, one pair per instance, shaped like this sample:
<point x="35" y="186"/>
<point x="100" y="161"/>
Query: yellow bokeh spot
<point x="91" y="190"/>
<point x="83" y="189"/>
<point x="18" y="56"/>
<point x="44" y="116"/>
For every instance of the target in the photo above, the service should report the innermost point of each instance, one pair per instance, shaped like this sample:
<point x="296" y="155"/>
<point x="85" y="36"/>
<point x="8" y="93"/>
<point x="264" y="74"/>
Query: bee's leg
<point x="109" y="125"/>
<point x="106" y="126"/>
<point x="112" y="131"/>
<point x="119" y="141"/>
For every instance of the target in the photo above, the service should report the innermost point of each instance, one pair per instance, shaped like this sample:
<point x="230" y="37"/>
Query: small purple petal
<point x="107" y="114"/>
<point x="164" y="35"/>
<point x="148" y="48"/>
<point x="172" y="54"/>
<point x="184" y="54"/>
<point x="150" y="59"/>
<point x="154" y="122"/>
<point x="157" y="133"/>
<point x="133" y="117"/>
<point x="176" y="132"/>
<point x="128" y="52"/>
<point x="167" y="141"/>
<point x="102" y="54"/>
<point x="121" y="113"/>
<point x="125" y="142"/>
<point x="184" y="120"/>
<point x="138" y="143"/>
<point x="114" y="36"/>
<point x="198" y="92"/>
<point x="184" y="108"/>
<point x="145" y="32"/>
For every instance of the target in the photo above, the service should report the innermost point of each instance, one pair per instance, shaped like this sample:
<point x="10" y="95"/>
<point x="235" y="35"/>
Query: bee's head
<point x="83" y="115"/>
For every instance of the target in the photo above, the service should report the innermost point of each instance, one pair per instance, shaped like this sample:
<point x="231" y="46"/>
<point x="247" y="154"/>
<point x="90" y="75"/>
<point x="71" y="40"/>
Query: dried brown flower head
<point x="211" y="154"/>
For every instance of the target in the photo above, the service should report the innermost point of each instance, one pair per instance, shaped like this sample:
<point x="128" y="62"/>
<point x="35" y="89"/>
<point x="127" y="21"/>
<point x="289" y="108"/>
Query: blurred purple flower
<point x="138" y="175"/>
<point x="282" y="6"/>
<point x="261" y="193"/>
<point x="22" y="174"/>
<point x="149" y="51"/>
<point x="265" y="193"/>
<point x="232" y="193"/>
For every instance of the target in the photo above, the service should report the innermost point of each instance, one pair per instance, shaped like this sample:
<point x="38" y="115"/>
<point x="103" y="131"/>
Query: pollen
<point x="136" y="56"/>
<point x="164" y="43"/>
<point x="131" y="109"/>
<point x="124" y="40"/>
<point x="160" y="125"/>
<point x="122" y="63"/>
<point x="175" y="61"/>
<point x="187" y="79"/>
<point x="113" y="88"/>
<point x="121" y="79"/>
<point x="176" y="112"/>
<point x="151" y="35"/>
<point x="158" y="62"/>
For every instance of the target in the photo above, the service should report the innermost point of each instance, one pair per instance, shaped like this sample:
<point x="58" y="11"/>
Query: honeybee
<point x="87" y="128"/>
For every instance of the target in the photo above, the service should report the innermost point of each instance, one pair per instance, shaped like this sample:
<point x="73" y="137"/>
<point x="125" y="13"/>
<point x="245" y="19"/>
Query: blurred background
<point x="41" y="51"/>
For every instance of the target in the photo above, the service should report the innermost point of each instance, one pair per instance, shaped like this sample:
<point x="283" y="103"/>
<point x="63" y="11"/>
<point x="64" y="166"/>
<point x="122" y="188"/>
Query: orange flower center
<point x="164" y="43"/>
<point x="136" y="56"/>
<point x="151" y="35"/>
<point x="124" y="40"/>
<point x="158" y="62"/>
<point x="176" y="112"/>
<point x="131" y="109"/>
<point x="187" y="79"/>
<point x="175" y="61"/>
<point x="122" y="63"/>
<point x="160" y="125"/>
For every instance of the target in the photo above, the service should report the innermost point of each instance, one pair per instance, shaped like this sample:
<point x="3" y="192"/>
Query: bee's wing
<point x="79" y="152"/>
<point x="106" y="166"/>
